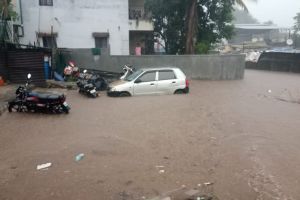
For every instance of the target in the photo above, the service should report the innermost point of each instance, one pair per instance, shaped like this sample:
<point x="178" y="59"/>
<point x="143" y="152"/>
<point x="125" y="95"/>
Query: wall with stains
<point x="206" y="67"/>
<point x="75" y="20"/>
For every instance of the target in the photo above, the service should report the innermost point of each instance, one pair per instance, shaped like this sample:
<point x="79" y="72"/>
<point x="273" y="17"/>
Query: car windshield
<point x="133" y="75"/>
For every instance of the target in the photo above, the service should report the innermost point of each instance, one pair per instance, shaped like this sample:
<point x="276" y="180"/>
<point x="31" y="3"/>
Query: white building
<point x="115" y="26"/>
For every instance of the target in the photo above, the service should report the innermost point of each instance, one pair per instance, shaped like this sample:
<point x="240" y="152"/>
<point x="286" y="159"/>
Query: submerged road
<point x="242" y="136"/>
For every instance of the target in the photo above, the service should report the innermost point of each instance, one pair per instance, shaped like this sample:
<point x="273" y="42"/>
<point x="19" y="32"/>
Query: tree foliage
<point x="7" y="10"/>
<point x="297" y="22"/>
<point x="297" y="31"/>
<point x="178" y="22"/>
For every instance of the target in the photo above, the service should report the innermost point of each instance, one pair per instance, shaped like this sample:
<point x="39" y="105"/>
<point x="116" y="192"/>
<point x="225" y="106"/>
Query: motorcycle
<point x="27" y="101"/>
<point x="128" y="70"/>
<point x="90" y="83"/>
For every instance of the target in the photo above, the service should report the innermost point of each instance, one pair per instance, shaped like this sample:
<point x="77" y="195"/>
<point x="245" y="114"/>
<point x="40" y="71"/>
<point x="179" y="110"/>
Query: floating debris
<point x="44" y="166"/>
<point x="79" y="157"/>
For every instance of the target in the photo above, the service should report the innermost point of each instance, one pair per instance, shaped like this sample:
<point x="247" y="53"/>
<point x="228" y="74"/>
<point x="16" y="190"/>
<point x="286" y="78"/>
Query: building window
<point x="101" y="42"/>
<point x="49" y="41"/>
<point x="46" y="2"/>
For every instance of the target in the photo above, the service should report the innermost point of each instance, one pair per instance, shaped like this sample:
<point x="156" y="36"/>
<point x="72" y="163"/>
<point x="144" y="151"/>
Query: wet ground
<point x="242" y="136"/>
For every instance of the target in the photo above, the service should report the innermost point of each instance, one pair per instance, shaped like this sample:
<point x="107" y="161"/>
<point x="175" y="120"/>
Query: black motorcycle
<point x="90" y="83"/>
<point x="27" y="101"/>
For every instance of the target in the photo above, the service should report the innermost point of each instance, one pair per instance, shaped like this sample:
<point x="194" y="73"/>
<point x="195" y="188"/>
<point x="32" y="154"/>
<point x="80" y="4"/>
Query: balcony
<point x="139" y="20"/>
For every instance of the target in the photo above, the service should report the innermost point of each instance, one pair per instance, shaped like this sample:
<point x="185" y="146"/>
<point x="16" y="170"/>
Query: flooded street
<point x="242" y="136"/>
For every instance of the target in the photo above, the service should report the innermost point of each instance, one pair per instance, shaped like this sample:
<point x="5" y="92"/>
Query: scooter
<point x="128" y="70"/>
<point x="90" y="83"/>
<point x="27" y="101"/>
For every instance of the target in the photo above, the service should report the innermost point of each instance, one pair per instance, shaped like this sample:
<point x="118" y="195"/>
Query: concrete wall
<point x="277" y="61"/>
<point x="76" y="20"/>
<point x="210" y="67"/>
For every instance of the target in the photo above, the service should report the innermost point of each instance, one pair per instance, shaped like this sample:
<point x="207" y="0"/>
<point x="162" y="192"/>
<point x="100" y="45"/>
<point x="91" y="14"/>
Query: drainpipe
<point x="21" y="13"/>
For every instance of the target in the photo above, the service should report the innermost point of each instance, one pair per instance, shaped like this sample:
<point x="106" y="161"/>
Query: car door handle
<point x="152" y="84"/>
<point x="174" y="82"/>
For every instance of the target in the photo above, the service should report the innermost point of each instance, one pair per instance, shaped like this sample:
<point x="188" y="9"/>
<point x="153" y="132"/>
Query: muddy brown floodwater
<point x="243" y="136"/>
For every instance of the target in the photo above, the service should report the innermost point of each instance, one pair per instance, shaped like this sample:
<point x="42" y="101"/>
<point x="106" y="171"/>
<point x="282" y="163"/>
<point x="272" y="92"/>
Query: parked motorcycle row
<point x="89" y="84"/>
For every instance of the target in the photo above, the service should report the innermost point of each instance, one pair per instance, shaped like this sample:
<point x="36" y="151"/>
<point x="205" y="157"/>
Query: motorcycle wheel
<point x="65" y="109"/>
<point x="14" y="107"/>
<point x="95" y="95"/>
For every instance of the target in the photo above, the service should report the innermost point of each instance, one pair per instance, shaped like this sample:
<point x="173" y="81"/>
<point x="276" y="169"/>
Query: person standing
<point x="138" y="49"/>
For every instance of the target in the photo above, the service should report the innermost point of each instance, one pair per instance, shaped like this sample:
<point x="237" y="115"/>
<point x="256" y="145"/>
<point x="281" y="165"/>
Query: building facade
<point x="269" y="34"/>
<point x="114" y="26"/>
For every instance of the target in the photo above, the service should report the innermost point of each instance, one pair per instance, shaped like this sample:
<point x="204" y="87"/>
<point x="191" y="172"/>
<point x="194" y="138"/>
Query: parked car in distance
<point x="151" y="81"/>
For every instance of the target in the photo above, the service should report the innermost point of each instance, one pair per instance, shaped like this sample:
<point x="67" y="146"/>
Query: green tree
<point x="297" y="31"/>
<point x="183" y="24"/>
<point x="297" y="22"/>
<point x="182" y="29"/>
<point x="192" y="19"/>
<point x="7" y="10"/>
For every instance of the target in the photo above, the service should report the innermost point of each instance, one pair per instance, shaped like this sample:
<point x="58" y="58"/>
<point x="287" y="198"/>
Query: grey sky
<point x="281" y="12"/>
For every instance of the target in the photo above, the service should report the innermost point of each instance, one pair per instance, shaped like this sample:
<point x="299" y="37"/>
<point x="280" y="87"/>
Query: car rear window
<point x="166" y="75"/>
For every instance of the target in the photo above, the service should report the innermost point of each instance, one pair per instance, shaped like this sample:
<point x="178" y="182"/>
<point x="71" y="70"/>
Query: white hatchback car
<point x="148" y="81"/>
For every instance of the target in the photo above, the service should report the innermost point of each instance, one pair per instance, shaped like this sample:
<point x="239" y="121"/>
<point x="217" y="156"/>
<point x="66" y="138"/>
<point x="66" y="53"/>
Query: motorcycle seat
<point x="88" y="86"/>
<point x="46" y="96"/>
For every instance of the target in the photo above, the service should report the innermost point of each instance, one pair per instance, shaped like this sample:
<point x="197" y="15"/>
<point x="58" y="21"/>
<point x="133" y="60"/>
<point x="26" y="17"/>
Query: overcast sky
<point x="281" y="12"/>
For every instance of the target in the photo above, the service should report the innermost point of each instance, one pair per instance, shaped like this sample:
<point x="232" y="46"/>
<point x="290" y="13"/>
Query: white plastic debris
<point x="79" y="157"/>
<point x="43" y="166"/>
<point x="270" y="91"/>
<point x="161" y="171"/>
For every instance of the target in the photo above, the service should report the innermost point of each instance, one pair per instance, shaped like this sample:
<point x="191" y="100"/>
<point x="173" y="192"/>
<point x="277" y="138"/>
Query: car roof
<point x="158" y="68"/>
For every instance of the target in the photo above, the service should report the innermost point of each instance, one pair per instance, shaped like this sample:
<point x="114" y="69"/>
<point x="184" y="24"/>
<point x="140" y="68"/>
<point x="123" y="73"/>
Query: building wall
<point x="76" y="20"/>
<point x="208" y="67"/>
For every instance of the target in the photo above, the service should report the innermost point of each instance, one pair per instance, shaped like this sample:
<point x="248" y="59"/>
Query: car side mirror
<point x="137" y="81"/>
<point x="85" y="71"/>
<point x="28" y="76"/>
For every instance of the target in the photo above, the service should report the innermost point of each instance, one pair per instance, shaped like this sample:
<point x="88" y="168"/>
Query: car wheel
<point x="124" y="94"/>
<point x="179" y="92"/>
